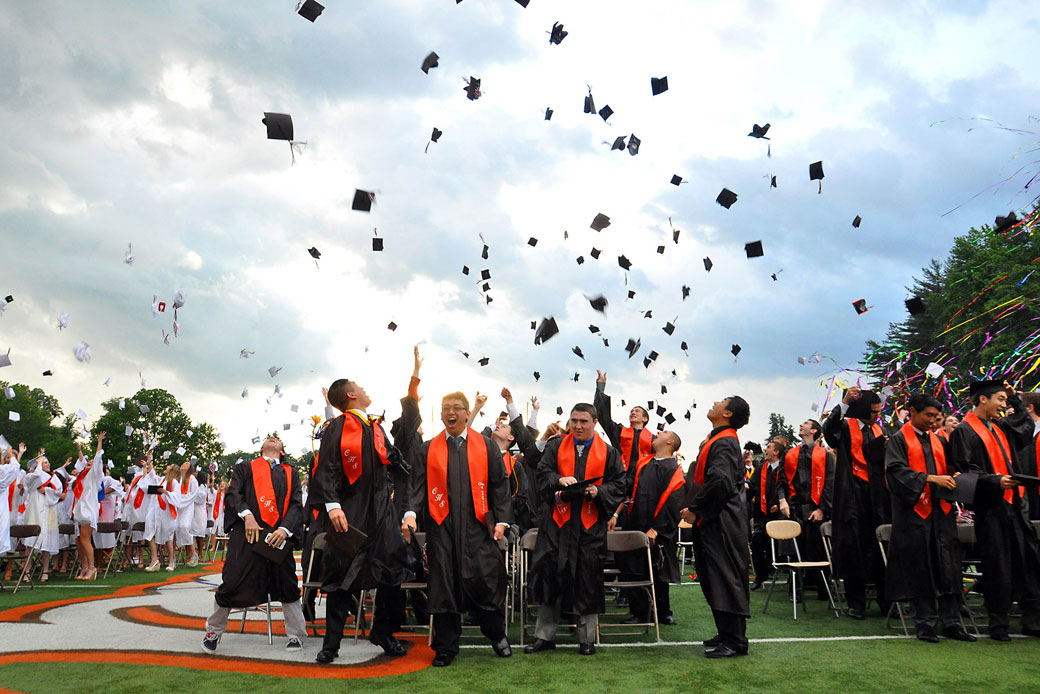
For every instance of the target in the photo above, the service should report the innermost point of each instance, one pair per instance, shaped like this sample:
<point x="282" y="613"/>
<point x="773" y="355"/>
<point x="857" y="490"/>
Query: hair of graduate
<point x="817" y="429"/>
<point x="739" y="411"/>
<point x="677" y="441"/>
<point x="1031" y="399"/>
<point x="975" y="398"/>
<point x="338" y="394"/>
<point x="782" y="442"/>
<point x="642" y="409"/>
<point x="919" y="402"/>
<point x="457" y="395"/>
<point x="871" y="398"/>
<point x="587" y="408"/>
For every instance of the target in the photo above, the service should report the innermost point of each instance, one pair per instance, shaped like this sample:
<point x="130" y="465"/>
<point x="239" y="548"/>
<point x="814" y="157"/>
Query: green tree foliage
<point x="779" y="427"/>
<point x="982" y="304"/>
<point x="37" y="428"/>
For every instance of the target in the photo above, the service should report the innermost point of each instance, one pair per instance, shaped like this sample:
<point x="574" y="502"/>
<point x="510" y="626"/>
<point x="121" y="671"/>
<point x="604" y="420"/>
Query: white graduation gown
<point x="8" y="478"/>
<point x="42" y="494"/>
<point x="87" y="506"/>
<point x="107" y="512"/>
<point x="198" y="521"/>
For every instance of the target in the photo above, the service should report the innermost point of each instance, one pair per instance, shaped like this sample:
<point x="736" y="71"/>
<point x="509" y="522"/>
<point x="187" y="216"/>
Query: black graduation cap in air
<point x="546" y="329"/>
<point x="687" y="416"/>
<point x="648" y="314"/>
<point x="48" y="372"/>
<point x="580" y="259"/>
<point x="669" y="328"/>
<point x="606" y="342"/>
<point x="772" y="181"/>
<point x="8" y="298"/>
<point x="532" y="242"/>
<point x="577" y="351"/>
<point x="523" y="3"/>
<point x="310" y="10"/>
<point x="363" y="200"/>
<point x="533" y="324"/>
<point x="633" y="144"/>
<point x="685" y="291"/>
<point x="658" y="85"/>
<point x="483" y="361"/>
<point x="670" y="418"/>
<point x="624" y="262"/>
<point x="595" y="253"/>
<point x="734" y="350"/>
<point x="593" y="329"/>
<point x="429" y="62"/>
<point x="315" y="253"/>
<point x="484" y="253"/>
<point x="465" y="269"/>
<point x="548" y="114"/>
<point x="537" y="376"/>
<point x="708" y="264"/>
<point x="660" y="410"/>
<point x="598" y="302"/>
<point x="590" y="105"/>
<point x="377" y="244"/>
<point x="660" y="250"/>
<point x="575" y="379"/>
<point x="606" y="112"/>
<point x="392" y="326"/>
<point x="856" y="222"/>
<point x="684" y="346"/>
<point x="759" y="131"/>
<point x="486" y="286"/>
<point x="1002" y="223"/>
<point x="816" y="173"/>
<point x="664" y="390"/>
<point x="485" y="274"/>
<point x="632" y="347"/>
<point x="557" y="34"/>
<point x="619" y="143"/>
<point x="279" y="126"/>
<point x="559" y="410"/>
<point x="860" y="305"/>
<point x="676" y="179"/>
<point x="754" y="249"/>
<point x="600" y="222"/>
<point x="653" y="356"/>
<point x="631" y="293"/>
<point x="473" y="88"/>
<point x="915" y="305"/>
<point x="433" y="138"/>
<point x="726" y="198"/>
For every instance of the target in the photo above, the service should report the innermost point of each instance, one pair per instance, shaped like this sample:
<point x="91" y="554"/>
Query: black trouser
<point x="389" y="614"/>
<point x="310" y="594"/>
<point x="639" y="598"/>
<point x="447" y="628"/>
<point x="732" y="629"/>
<point x="923" y="611"/>
<point x="761" y="554"/>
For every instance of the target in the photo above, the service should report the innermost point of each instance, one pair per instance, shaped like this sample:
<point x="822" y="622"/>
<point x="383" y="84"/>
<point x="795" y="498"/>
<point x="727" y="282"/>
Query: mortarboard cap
<point x="279" y="126"/>
<point x="486" y="287"/>
<point x="600" y="222"/>
<point x="660" y="410"/>
<point x="685" y="291"/>
<point x="559" y="410"/>
<point x="532" y="242"/>
<point x="274" y="371"/>
<point x="310" y="10"/>
<point x="653" y="356"/>
<point x="1000" y="223"/>
<point x="546" y="329"/>
<point x="392" y="326"/>
<point x="658" y="85"/>
<point x="593" y="329"/>
<point x="915" y="305"/>
<point x="473" y="88"/>
<point x="436" y="135"/>
<point x="9" y="299"/>
<point x="664" y="389"/>
<point x="577" y="351"/>
<point x="676" y="179"/>
<point x="580" y="259"/>
<point x="598" y="302"/>
<point x="772" y="181"/>
<point x="648" y="314"/>
<point x="759" y="131"/>
<point x="670" y="418"/>
<point x="754" y="249"/>
<point x="708" y="264"/>
<point x="684" y="346"/>
<point x="606" y="112"/>
<point x="734" y="350"/>
<point x="537" y="375"/>
<point x="857" y="221"/>
<point x="363" y="200"/>
<point x="816" y="171"/>
<point x="675" y="235"/>
<point x="595" y="253"/>
<point x="726" y="198"/>
<point x="669" y="328"/>
<point x="484" y="252"/>
<point x="557" y="34"/>
<point x="485" y="274"/>
<point x="860" y="305"/>
<point x="631" y="293"/>
<point x="590" y="105"/>
<point x="619" y="143"/>
<point x="985" y="388"/>
<point x="315" y="253"/>
<point x="5" y="359"/>
<point x="429" y="62"/>
<point x="633" y="144"/>
<point x="548" y="114"/>
<point x="606" y="342"/>
<point x="377" y="244"/>
<point x="632" y="347"/>
<point x="465" y="269"/>
<point x="483" y="361"/>
<point x="624" y="262"/>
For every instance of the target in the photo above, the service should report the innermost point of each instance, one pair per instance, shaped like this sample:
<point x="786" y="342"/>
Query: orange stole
<point x="915" y="457"/>
<point x="437" y="475"/>
<point x="595" y="465"/>
<point x="264" y="489"/>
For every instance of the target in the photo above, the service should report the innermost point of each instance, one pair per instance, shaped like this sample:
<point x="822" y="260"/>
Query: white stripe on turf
<point x="793" y="639"/>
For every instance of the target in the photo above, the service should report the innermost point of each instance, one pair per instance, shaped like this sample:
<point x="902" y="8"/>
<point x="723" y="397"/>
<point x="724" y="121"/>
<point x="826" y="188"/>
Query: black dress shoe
<point x="502" y="648"/>
<point x="927" y="634"/>
<point x="957" y="633"/>
<point x="855" y="613"/>
<point x="724" y="651"/>
<point x="669" y="620"/>
<point x="587" y="649"/>
<point x="390" y="646"/>
<point x="442" y="659"/>
<point x="539" y="645"/>
<point x="757" y="584"/>
<point x="634" y="620"/>
<point x="713" y="641"/>
<point x="999" y="634"/>
<point x="325" y="656"/>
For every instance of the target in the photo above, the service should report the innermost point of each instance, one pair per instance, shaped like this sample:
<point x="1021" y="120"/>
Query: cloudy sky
<point x="139" y="123"/>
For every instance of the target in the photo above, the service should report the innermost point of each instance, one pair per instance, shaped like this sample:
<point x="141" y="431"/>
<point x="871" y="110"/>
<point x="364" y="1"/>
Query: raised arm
<point x="601" y="401"/>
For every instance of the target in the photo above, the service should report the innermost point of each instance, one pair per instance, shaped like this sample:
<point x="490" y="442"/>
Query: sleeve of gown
<point x="499" y="501"/>
<point x="235" y="496"/>
<point x="417" y="485"/>
<point x="521" y="434"/>
<point x="601" y="401"/>
<point x="1017" y="427"/>
<point x="966" y="449"/>
<point x="293" y="520"/>
<point x="828" y="484"/>
<point x="904" y="484"/>
<point x="832" y="427"/>
<point x="404" y="427"/>
<point x="782" y="483"/>
<point x="667" y="520"/>
<point x="546" y="476"/>
<point x="755" y="483"/>
<point x="329" y="472"/>
<point x="725" y="470"/>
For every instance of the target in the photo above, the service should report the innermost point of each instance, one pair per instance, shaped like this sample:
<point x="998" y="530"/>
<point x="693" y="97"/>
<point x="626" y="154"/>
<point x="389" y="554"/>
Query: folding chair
<point x="631" y="541"/>
<point x="220" y="544"/>
<point x="527" y="545"/>
<point x="683" y="545"/>
<point x="883" y="533"/>
<point x="837" y="589"/>
<point x="789" y="530"/>
<point x="966" y="538"/>
<point x="132" y="544"/>
<point x="420" y="587"/>
<point x="23" y="556"/>
<point x="115" y="528"/>
<point x="67" y="530"/>
<point x="265" y="608"/>
<point x="309" y="582"/>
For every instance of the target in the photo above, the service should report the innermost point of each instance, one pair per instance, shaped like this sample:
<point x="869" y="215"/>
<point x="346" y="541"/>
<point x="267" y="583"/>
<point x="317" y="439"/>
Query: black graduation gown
<point x="247" y="578"/>
<point x="524" y="438"/>
<point x="754" y="492"/>
<point x="601" y="401"/>
<point x="857" y="506"/>
<point x="1000" y="527"/>
<point x="383" y="558"/>
<point x="653" y="481"/>
<point x="797" y="492"/>
<point x="924" y="557"/>
<point x="720" y="543"/>
<point x="567" y="562"/>
<point x="1027" y="456"/>
<point x="466" y="566"/>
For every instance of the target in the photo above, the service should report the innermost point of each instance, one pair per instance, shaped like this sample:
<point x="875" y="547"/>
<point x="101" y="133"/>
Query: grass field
<point x="865" y="665"/>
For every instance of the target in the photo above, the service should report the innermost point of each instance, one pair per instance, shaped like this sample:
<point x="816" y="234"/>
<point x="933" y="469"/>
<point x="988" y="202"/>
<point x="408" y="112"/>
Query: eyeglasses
<point x="453" y="408"/>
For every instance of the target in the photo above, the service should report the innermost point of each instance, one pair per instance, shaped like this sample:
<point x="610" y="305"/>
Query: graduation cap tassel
<point x="769" y="150"/>
<point x="294" y="147"/>
<point x="820" y="191"/>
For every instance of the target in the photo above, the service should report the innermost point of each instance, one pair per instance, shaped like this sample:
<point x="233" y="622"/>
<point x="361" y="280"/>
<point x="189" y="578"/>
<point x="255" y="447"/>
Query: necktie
<point x="456" y="441"/>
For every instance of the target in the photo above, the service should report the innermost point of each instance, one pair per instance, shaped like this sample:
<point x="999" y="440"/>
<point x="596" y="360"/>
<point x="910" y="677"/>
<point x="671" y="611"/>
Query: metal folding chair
<point x="23" y="556"/>
<point x="631" y="541"/>
<point x="114" y="528"/>
<point x="837" y="589"/>
<point x="789" y="530"/>
<point x="883" y="533"/>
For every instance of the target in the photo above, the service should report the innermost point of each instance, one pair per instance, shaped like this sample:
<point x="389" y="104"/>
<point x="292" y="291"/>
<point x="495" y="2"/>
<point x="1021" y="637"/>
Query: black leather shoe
<point x="724" y="651"/>
<point x="325" y="656"/>
<point x="538" y="645"/>
<point x="587" y="649"/>
<point x="390" y="646"/>
<point x="757" y="584"/>
<point x="1031" y="632"/>
<point x="927" y="633"/>
<point x="855" y="613"/>
<point x="634" y="620"/>
<point x="669" y="620"/>
<point x="713" y="641"/>
<point x="442" y="659"/>
<point x="999" y="634"/>
<point x="957" y="633"/>
<point x="502" y="648"/>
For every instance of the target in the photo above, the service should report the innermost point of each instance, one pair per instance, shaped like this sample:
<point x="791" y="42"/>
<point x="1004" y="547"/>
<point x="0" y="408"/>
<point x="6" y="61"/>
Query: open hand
<point x="252" y="529"/>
